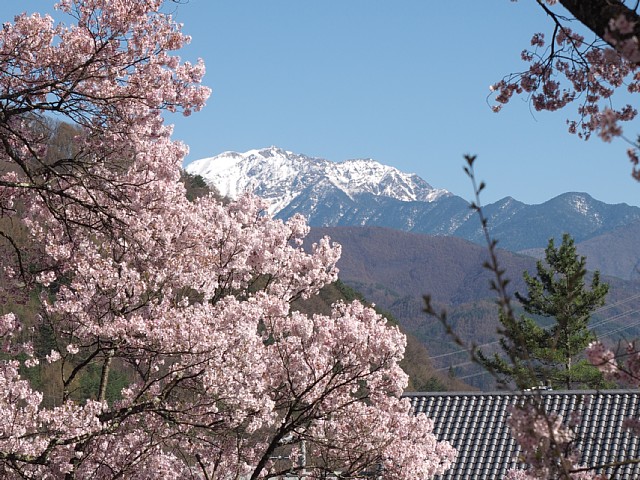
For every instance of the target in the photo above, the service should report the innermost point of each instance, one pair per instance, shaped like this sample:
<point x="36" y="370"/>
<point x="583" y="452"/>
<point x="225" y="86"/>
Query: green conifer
<point x="551" y="355"/>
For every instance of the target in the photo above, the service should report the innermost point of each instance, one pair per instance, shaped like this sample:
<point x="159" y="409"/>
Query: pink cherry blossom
<point x="625" y="369"/>
<point x="547" y="443"/>
<point x="584" y="73"/>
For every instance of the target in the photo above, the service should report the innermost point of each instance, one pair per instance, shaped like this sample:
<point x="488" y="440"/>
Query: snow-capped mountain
<point x="280" y="176"/>
<point x="365" y="192"/>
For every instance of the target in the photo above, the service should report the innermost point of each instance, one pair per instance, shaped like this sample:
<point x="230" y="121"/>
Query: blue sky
<point x="404" y="82"/>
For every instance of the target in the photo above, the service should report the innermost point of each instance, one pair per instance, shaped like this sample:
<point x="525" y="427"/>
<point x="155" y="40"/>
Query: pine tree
<point x="549" y="356"/>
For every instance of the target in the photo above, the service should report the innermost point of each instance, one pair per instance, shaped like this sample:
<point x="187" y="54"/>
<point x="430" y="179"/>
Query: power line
<point x="615" y="317"/>
<point x="484" y="372"/>
<point x="597" y="324"/>
<point x="620" y="329"/>
<point x="594" y="325"/>
<point x="470" y="362"/>
<point x="463" y="350"/>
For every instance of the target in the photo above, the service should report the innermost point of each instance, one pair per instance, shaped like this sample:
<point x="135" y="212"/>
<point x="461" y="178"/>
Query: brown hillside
<point x="394" y="269"/>
<point x="447" y="268"/>
<point x="613" y="253"/>
<point x="423" y="376"/>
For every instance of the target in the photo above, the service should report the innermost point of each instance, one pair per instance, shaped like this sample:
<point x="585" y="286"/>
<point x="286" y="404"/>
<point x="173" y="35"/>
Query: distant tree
<point x="548" y="356"/>
<point x="559" y="292"/>
<point x="196" y="187"/>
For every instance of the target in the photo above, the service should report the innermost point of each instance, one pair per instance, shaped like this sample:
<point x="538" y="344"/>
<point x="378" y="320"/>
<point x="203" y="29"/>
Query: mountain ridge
<point x="271" y="171"/>
<point x="366" y="193"/>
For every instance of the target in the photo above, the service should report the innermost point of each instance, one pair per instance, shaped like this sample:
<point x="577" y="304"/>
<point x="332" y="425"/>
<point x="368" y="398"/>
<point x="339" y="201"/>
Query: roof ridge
<point x="625" y="391"/>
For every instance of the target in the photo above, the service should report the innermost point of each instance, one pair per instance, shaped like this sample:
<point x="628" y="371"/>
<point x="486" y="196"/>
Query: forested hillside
<point x="395" y="269"/>
<point x="614" y="253"/>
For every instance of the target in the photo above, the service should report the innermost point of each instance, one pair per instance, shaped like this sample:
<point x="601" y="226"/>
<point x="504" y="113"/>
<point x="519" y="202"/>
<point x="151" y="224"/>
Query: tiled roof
<point x="476" y="425"/>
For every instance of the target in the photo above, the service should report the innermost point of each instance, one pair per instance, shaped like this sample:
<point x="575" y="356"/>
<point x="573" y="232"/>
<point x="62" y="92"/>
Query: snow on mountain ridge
<point x="279" y="176"/>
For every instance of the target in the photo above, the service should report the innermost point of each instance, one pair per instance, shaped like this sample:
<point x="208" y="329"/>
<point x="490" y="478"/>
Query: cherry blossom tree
<point x="188" y="300"/>
<point x="570" y="68"/>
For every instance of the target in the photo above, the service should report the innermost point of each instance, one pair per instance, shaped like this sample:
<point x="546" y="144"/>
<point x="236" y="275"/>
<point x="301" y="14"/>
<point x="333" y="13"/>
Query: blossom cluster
<point x="569" y="69"/>
<point x="625" y="372"/>
<point x="547" y="443"/>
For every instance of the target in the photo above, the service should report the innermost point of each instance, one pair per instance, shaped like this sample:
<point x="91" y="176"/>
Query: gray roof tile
<point x="476" y="424"/>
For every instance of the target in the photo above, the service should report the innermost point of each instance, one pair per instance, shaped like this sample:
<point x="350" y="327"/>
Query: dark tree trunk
<point x="595" y="15"/>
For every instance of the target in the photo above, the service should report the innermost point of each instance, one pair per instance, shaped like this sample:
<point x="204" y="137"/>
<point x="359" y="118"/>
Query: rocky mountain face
<point x="284" y="178"/>
<point x="367" y="193"/>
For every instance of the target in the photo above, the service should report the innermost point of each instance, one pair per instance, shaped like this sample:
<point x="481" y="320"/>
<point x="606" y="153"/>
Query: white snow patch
<point x="279" y="176"/>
